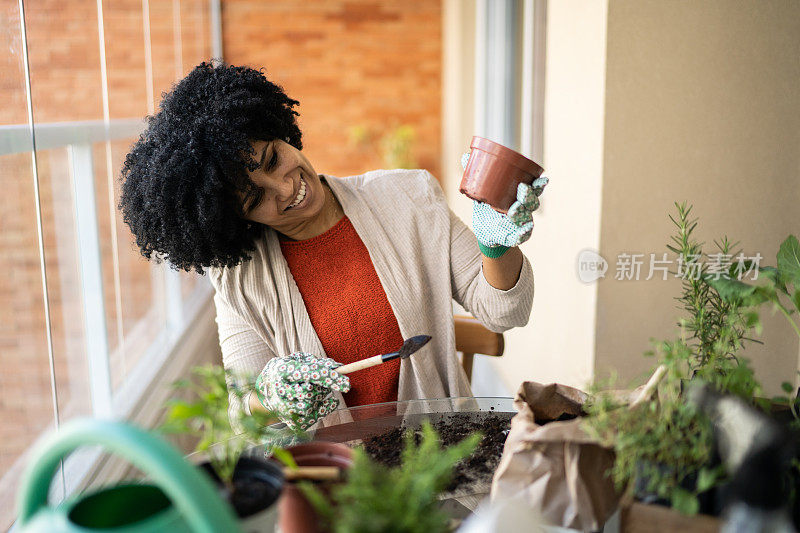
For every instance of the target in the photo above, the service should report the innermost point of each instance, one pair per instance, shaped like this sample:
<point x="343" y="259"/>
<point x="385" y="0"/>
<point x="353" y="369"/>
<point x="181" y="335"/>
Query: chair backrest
<point x="472" y="337"/>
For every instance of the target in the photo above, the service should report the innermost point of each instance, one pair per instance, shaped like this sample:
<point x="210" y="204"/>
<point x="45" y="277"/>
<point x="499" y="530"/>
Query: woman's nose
<point x="284" y="188"/>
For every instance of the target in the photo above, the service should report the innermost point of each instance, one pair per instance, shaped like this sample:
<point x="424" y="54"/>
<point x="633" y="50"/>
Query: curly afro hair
<point x="185" y="187"/>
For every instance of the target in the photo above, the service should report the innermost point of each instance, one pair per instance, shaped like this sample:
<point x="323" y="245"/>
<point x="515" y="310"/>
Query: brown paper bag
<point x="555" y="468"/>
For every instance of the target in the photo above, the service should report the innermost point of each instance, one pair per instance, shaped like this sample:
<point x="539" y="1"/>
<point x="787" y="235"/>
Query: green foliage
<point x="664" y="445"/>
<point x="715" y="326"/>
<point x="707" y="310"/>
<point x="774" y="285"/>
<point x="205" y="416"/>
<point x="779" y="286"/>
<point x="789" y="260"/>
<point x="396" y="147"/>
<point x="379" y="499"/>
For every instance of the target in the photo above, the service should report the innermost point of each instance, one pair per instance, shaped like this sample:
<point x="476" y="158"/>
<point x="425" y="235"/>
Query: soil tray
<point x="379" y="429"/>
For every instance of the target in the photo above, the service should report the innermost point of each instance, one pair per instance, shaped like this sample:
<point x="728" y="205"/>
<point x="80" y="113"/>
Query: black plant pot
<point x="794" y="481"/>
<point x="711" y="501"/>
<point x="765" y="481"/>
<point x="257" y="485"/>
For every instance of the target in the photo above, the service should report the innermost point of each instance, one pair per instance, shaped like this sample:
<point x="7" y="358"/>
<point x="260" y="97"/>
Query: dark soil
<point x="477" y="468"/>
<point x="250" y="495"/>
<point x="255" y="486"/>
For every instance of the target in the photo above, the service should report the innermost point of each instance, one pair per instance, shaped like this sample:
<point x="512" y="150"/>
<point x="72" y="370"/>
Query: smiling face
<point x="293" y="193"/>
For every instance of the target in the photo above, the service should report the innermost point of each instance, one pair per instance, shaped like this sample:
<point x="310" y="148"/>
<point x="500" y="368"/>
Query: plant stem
<point x="789" y="318"/>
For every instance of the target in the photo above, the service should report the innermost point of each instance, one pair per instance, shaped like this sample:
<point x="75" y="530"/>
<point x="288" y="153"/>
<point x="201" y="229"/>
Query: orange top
<point x="348" y="308"/>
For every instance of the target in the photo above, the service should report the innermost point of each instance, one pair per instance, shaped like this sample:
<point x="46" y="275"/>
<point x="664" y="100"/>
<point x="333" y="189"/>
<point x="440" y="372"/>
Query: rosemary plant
<point x="708" y="313"/>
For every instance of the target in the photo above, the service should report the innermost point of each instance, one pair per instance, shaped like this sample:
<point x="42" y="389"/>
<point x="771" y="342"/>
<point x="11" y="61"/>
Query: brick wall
<point x="349" y="63"/>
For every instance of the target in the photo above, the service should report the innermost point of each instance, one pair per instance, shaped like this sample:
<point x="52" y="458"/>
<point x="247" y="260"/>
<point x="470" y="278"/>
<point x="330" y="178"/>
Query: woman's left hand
<point x="494" y="229"/>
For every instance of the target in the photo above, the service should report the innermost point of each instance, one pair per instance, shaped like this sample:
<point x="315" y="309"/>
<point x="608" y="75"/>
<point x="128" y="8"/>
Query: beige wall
<point x="702" y="104"/>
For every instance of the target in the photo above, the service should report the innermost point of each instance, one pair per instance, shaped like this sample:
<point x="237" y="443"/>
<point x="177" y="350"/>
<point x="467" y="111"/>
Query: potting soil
<point x="250" y="495"/>
<point x="475" y="470"/>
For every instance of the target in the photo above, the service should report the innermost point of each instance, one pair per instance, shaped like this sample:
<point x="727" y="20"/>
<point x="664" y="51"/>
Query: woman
<point x="312" y="271"/>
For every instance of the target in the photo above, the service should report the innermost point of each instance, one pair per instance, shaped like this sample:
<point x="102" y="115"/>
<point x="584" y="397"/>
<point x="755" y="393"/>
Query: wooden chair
<point x="472" y="337"/>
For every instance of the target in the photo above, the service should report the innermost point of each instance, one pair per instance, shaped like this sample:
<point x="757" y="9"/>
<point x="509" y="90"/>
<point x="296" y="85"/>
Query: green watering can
<point x="189" y="501"/>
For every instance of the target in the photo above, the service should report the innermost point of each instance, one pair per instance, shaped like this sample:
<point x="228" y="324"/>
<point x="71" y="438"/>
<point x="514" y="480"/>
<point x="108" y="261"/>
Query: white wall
<point x="558" y="343"/>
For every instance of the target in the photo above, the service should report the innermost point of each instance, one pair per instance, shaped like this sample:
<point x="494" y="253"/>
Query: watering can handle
<point x="191" y="492"/>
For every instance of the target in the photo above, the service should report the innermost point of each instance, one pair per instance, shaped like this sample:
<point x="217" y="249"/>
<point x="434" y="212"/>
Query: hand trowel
<point x="409" y="346"/>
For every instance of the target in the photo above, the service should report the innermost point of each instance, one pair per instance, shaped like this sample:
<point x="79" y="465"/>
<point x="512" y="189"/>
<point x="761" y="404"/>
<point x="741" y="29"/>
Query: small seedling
<point x="205" y="416"/>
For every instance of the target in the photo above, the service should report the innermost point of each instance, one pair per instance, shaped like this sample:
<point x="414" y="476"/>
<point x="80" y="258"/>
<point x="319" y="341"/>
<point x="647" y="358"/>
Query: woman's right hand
<point x="298" y="388"/>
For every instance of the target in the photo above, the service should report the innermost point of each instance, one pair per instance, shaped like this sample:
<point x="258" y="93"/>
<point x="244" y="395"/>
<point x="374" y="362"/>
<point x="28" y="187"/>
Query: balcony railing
<point x="154" y="336"/>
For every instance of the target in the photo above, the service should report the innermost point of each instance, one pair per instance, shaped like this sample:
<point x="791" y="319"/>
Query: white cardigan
<point x="425" y="257"/>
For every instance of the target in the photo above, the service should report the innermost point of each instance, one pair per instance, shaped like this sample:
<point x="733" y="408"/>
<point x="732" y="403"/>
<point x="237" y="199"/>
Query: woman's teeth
<point x="300" y="195"/>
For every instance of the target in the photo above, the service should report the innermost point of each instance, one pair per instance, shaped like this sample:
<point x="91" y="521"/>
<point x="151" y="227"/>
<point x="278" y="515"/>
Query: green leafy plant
<point x="205" y="416"/>
<point x="376" y="498"/>
<point x="779" y="285"/>
<point x="664" y="445"/>
<point x="707" y="311"/>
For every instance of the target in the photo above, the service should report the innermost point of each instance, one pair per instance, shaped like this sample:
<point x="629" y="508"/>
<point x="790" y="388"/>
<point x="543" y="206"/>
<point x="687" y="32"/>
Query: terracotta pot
<point x="642" y="518"/>
<point x="493" y="173"/>
<point x="295" y="513"/>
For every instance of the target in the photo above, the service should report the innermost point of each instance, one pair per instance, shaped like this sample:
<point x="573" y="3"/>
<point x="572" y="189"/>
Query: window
<point x="509" y="73"/>
<point x="85" y="321"/>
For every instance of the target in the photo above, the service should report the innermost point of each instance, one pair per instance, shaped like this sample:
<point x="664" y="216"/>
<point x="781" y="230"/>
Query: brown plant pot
<point x="295" y="512"/>
<point x="643" y="518"/>
<point x="493" y="173"/>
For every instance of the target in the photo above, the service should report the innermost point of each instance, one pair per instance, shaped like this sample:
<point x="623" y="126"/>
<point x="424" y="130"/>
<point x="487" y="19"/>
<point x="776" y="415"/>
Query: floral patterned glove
<point x="298" y="388"/>
<point x="497" y="232"/>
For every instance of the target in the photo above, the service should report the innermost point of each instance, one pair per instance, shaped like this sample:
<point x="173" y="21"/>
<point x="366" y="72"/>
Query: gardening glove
<point x="497" y="232"/>
<point x="298" y="388"/>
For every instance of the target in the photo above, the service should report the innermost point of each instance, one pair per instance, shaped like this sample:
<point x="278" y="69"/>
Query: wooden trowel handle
<point x="360" y="365"/>
<point x="312" y="472"/>
<point x="651" y="385"/>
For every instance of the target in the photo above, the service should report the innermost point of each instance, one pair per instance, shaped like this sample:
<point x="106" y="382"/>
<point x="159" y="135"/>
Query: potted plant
<point x="251" y="485"/>
<point x="664" y="446"/>
<point x="325" y="463"/>
<point x="376" y="498"/>
<point x="779" y="286"/>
